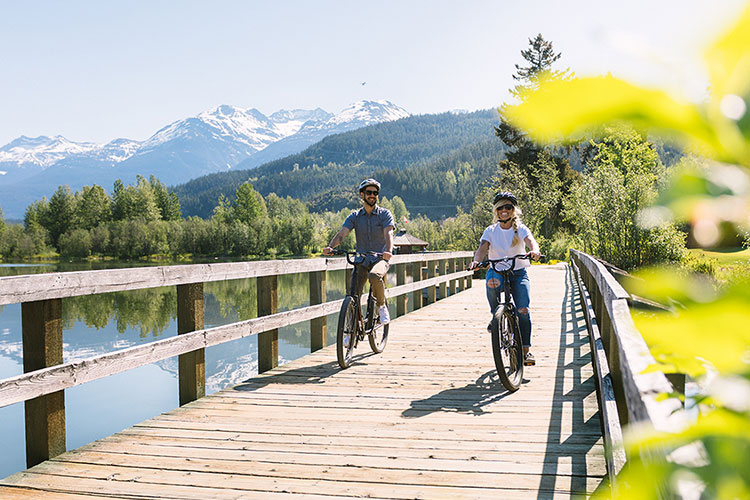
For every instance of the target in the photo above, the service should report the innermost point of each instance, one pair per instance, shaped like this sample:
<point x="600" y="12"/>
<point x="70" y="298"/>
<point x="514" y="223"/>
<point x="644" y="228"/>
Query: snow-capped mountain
<point x="223" y="138"/>
<point x="357" y="115"/>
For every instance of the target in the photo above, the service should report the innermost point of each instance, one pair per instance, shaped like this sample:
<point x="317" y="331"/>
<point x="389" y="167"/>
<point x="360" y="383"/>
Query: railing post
<point x="42" y="347"/>
<point x="451" y="270"/>
<point x="461" y="281"/>
<point x="318" y="326"/>
<point x="268" y="342"/>
<point x="432" y="290"/>
<point x="401" y="280"/>
<point x="441" y="272"/>
<point x="469" y="281"/>
<point x="416" y="274"/>
<point x="191" y="366"/>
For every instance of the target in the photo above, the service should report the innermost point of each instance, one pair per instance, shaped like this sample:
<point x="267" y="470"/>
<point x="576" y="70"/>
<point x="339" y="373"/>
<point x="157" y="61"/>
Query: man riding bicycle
<point x="373" y="227"/>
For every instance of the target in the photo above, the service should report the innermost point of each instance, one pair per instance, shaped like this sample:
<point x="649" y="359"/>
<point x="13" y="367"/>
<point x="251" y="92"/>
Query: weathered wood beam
<point x="34" y="287"/>
<point x="401" y="280"/>
<point x="268" y="341"/>
<point x="43" y="348"/>
<point x="318" y="326"/>
<point x="415" y="270"/>
<point x="191" y="365"/>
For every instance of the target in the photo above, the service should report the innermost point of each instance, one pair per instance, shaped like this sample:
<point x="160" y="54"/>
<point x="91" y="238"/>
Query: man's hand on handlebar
<point x="328" y="251"/>
<point x="387" y="256"/>
<point x="535" y="256"/>
<point x="474" y="264"/>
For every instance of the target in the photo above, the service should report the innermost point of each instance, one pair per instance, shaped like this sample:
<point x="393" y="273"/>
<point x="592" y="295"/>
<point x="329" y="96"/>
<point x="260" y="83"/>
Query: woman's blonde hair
<point x="516" y="219"/>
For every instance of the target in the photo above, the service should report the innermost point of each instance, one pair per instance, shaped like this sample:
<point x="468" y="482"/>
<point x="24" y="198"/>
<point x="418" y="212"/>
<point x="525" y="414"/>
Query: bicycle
<point x="352" y="327"/>
<point x="507" y="344"/>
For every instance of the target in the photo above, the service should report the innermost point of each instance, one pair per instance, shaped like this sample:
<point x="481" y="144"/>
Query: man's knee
<point x="523" y="310"/>
<point x="374" y="277"/>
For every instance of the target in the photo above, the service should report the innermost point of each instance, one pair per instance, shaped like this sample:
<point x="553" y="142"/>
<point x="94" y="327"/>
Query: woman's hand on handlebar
<point x="328" y="251"/>
<point x="474" y="264"/>
<point x="535" y="255"/>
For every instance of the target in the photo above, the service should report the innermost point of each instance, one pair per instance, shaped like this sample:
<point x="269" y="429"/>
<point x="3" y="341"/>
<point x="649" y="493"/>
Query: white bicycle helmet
<point x="368" y="182"/>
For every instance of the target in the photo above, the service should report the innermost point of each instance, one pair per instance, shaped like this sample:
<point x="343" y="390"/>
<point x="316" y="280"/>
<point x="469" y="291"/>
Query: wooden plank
<point x="42" y="348"/>
<point x="33" y="287"/>
<point x="191" y="365"/>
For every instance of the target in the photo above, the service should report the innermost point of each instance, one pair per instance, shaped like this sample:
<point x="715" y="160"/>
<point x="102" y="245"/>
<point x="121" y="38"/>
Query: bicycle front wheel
<point x="377" y="333"/>
<point x="507" y="348"/>
<point x="347" y="332"/>
<point x="378" y="337"/>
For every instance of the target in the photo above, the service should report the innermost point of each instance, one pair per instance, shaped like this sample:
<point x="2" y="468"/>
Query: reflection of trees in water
<point x="149" y="311"/>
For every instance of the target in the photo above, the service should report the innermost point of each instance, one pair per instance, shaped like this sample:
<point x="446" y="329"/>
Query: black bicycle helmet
<point x="505" y="195"/>
<point x="368" y="182"/>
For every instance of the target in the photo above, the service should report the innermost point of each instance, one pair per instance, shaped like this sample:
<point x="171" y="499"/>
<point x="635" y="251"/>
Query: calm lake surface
<point x="102" y="323"/>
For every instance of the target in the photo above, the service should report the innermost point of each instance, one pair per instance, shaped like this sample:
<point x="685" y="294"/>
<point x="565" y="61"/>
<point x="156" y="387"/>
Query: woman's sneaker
<point x="528" y="359"/>
<point x="385" y="316"/>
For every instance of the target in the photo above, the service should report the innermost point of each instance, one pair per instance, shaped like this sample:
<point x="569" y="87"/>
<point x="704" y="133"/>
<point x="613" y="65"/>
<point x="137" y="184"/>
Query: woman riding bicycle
<point x="373" y="226"/>
<point x="507" y="237"/>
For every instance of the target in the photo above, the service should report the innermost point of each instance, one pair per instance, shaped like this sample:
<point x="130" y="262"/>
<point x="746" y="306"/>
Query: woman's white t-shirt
<point x="501" y="240"/>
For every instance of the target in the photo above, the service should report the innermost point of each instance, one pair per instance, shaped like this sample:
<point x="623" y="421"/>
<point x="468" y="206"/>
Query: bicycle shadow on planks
<point x="316" y="374"/>
<point x="471" y="398"/>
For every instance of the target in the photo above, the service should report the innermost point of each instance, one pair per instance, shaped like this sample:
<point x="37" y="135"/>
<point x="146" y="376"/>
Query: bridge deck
<point x="426" y="419"/>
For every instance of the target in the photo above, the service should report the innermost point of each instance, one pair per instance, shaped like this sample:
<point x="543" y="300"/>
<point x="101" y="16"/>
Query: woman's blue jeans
<point x="519" y="289"/>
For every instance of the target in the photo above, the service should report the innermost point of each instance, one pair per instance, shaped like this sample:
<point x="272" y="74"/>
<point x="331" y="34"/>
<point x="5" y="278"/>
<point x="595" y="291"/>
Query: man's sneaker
<point x="528" y="359"/>
<point x="385" y="317"/>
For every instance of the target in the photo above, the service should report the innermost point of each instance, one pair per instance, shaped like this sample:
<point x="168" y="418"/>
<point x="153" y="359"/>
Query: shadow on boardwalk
<point x="470" y="398"/>
<point x="569" y="403"/>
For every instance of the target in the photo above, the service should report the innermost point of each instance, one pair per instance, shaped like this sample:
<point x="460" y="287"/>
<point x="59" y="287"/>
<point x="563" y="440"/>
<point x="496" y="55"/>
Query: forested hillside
<point x="326" y="173"/>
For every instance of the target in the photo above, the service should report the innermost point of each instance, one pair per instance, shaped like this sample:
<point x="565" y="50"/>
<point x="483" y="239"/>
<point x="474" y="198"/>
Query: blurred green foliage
<point x="707" y="333"/>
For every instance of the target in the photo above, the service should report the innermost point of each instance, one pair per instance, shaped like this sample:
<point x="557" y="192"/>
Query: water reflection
<point x="97" y="324"/>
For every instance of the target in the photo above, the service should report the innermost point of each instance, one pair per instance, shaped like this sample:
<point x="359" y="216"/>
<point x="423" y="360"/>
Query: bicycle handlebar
<point x="511" y="259"/>
<point x="352" y="256"/>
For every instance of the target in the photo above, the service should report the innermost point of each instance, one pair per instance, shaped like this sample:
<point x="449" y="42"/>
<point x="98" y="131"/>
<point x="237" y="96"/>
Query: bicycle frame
<point x="364" y="324"/>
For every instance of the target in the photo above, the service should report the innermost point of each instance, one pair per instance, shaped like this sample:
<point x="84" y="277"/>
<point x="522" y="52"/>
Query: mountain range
<point x="221" y="139"/>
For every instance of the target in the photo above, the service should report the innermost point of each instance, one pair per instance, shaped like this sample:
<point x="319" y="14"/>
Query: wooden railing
<point x="626" y="394"/>
<point x="46" y="377"/>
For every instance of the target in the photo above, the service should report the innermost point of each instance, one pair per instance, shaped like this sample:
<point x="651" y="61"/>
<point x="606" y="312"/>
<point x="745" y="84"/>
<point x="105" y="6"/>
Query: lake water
<point x="102" y="323"/>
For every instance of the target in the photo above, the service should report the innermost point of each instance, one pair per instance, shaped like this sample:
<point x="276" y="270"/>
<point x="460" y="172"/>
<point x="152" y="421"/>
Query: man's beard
<point x="371" y="203"/>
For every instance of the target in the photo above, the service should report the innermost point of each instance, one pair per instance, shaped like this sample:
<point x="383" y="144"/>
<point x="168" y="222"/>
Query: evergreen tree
<point x="166" y="201"/>
<point x="134" y="202"/>
<point x="60" y="213"/>
<point x="93" y="207"/>
<point x="525" y="158"/>
<point x="2" y="221"/>
<point x="248" y="205"/>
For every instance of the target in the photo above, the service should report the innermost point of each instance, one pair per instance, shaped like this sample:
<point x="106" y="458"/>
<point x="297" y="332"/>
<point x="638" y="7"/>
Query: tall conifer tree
<point x="524" y="157"/>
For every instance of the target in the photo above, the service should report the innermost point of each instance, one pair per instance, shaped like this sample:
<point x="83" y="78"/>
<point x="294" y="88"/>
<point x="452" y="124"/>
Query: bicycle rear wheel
<point x="347" y="332"/>
<point x="507" y="348"/>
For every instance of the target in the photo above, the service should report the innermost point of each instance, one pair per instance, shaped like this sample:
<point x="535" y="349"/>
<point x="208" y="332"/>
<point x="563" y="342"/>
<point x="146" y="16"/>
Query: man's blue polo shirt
<point x="370" y="229"/>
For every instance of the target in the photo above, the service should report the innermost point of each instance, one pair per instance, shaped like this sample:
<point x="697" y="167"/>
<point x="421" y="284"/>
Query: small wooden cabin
<point x="404" y="242"/>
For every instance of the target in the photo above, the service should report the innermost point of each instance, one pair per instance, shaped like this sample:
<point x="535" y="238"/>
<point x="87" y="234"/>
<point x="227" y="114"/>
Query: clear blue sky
<point x="99" y="70"/>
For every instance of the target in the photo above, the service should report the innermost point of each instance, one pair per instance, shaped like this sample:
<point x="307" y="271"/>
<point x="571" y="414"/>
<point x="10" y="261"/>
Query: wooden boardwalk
<point x="425" y="419"/>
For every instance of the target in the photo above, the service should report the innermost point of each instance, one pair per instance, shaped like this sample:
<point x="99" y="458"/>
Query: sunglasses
<point x="370" y="192"/>
<point x="507" y="206"/>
